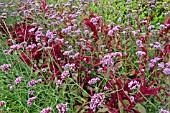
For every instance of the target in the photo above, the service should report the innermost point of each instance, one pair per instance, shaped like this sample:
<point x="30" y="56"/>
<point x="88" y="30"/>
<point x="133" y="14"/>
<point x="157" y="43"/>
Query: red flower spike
<point x="25" y="59"/>
<point x="92" y="15"/>
<point x="56" y="51"/>
<point x="44" y="6"/>
<point x="145" y="50"/>
<point x="93" y="28"/>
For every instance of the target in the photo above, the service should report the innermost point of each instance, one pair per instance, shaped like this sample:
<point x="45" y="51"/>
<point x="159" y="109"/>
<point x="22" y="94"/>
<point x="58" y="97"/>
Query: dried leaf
<point x="84" y="108"/>
<point x="91" y="34"/>
<point x="99" y="42"/>
<point x="139" y="74"/>
<point x="133" y="72"/>
<point x="84" y="100"/>
<point x="1" y="111"/>
<point x="141" y="108"/>
<point x="85" y="94"/>
<point x="118" y="65"/>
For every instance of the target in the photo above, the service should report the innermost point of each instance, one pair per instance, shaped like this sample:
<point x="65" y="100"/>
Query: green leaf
<point x="141" y="108"/>
<point x="102" y="110"/>
<point x="126" y="102"/>
<point x="120" y="106"/>
<point x="85" y="94"/>
<point x="36" y="72"/>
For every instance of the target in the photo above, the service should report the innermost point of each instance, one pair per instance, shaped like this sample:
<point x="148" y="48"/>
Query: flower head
<point x="166" y="71"/>
<point x="62" y="108"/>
<point x="59" y="82"/>
<point x="93" y="80"/>
<point x="2" y="103"/>
<point x="46" y="110"/>
<point x="132" y="98"/>
<point x="133" y="85"/>
<point x="32" y="83"/>
<point x="12" y="87"/>
<point x="5" y="67"/>
<point x="139" y="43"/>
<point x="156" y="45"/>
<point x="31" y="92"/>
<point x="164" y="111"/>
<point x="18" y="80"/>
<point x="96" y="101"/>
<point x="107" y="60"/>
<point x="65" y="74"/>
<point x="160" y="65"/>
<point x="30" y="100"/>
<point x="140" y="53"/>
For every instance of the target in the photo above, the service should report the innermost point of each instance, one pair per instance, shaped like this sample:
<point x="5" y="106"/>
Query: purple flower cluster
<point x="30" y="100"/>
<point x="65" y="74"/>
<point x="166" y="71"/>
<point x="68" y="52"/>
<point x="5" y="67"/>
<point x="133" y="85"/>
<point x="140" y="53"/>
<point x="96" y="101"/>
<point x="69" y="66"/>
<point x="94" y="20"/>
<point x="46" y="110"/>
<point x="75" y="55"/>
<point x="153" y="61"/>
<point x="160" y="65"/>
<point x="12" y="87"/>
<point x="31" y="92"/>
<point x="49" y="34"/>
<point x="33" y="83"/>
<point x="135" y="32"/>
<point x="168" y="64"/>
<point x="164" y="111"/>
<point x="132" y="98"/>
<point x="100" y="70"/>
<point x="139" y="43"/>
<point x="110" y="33"/>
<point x="15" y="47"/>
<point x="93" y="80"/>
<point x="2" y="103"/>
<point x="156" y="45"/>
<point x="107" y="60"/>
<point x="18" y="80"/>
<point x="150" y="27"/>
<point x="39" y="80"/>
<point x="106" y="88"/>
<point x="59" y="82"/>
<point x="62" y="108"/>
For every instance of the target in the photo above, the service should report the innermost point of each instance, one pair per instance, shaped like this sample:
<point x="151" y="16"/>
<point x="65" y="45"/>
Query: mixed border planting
<point x="77" y="56"/>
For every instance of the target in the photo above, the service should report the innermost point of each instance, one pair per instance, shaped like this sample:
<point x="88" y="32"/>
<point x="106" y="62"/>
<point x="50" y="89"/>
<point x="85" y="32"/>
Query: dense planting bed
<point x="84" y="56"/>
